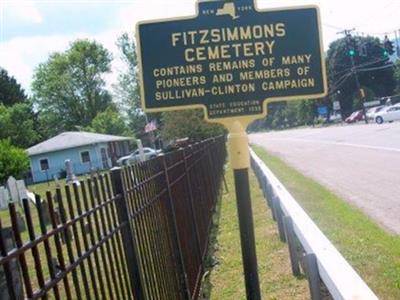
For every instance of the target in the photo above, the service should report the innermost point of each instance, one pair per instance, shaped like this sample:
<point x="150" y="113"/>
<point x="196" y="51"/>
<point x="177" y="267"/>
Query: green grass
<point x="373" y="252"/>
<point x="225" y="278"/>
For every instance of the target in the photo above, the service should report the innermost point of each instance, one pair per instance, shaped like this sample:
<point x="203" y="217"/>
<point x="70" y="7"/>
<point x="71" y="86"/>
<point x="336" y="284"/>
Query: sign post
<point x="232" y="59"/>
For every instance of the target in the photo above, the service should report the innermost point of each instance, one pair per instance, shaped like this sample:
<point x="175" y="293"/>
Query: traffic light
<point x="388" y="47"/>
<point x="385" y="53"/>
<point x="351" y="45"/>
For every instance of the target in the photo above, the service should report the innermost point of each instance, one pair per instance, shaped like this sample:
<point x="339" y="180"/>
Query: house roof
<point x="73" y="139"/>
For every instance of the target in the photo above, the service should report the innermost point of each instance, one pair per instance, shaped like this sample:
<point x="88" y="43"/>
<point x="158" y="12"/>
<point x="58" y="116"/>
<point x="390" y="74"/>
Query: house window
<point x="85" y="156"/>
<point x="44" y="164"/>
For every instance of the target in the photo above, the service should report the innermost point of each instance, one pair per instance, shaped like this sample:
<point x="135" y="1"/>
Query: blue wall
<point x="57" y="159"/>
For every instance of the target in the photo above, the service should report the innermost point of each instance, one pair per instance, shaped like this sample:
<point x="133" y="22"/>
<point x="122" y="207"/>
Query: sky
<point x="31" y="30"/>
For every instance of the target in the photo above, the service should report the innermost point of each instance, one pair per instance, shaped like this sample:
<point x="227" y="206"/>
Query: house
<point x="86" y="150"/>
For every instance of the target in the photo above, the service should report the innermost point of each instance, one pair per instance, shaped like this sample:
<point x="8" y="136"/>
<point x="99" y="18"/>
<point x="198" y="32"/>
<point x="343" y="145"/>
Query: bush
<point x="190" y="124"/>
<point x="13" y="161"/>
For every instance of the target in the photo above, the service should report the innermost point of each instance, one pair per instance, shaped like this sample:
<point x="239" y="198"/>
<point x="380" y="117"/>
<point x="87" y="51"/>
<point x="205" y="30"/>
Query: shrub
<point x="13" y="161"/>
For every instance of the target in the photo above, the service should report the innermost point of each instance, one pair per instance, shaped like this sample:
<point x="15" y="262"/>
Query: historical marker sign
<point x="231" y="58"/>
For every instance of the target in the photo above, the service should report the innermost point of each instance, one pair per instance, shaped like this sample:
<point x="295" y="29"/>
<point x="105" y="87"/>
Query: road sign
<point x="336" y="105"/>
<point x="322" y="110"/>
<point x="231" y="58"/>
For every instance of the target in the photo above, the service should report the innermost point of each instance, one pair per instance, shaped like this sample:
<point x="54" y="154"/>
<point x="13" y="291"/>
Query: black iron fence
<point x="140" y="232"/>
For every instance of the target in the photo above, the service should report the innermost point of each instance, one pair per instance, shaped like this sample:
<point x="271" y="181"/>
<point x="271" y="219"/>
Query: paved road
<point x="361" y="163"/>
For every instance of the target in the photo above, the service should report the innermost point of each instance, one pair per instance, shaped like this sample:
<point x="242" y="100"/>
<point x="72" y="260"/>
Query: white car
<point x="388" y="114"/>
<point x="134" y="157"/>
<point x="373" y="111"/>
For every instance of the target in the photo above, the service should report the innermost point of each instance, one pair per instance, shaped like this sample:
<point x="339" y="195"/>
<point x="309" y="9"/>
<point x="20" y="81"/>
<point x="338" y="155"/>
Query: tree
<point x="189" y="123"/>
<point x="17" y="125"/>
<point x="13" y="161"/>
<point x="286" y="115"/>
<point x="397" y="76"/>
<point x="109" y="122"/>
<point x="69" y="89"/>
<point x="373" y="69"/>
<point x="127" y="90"/>
<point x="10" y="91"/>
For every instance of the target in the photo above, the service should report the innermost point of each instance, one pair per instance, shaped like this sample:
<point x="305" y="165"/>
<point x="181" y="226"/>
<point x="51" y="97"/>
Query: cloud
<point x="23" y="10"/>
<point x="152" y="9"/>
<point x="20" y="56"/>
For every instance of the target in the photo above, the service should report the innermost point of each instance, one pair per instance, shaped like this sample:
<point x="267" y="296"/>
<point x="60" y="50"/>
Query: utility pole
<point x="351" y="51"/>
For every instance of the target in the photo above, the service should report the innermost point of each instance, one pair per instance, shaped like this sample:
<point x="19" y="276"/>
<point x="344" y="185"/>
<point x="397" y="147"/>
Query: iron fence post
<point x="175" y="235"/>
<point x="192" y="209"/>
<point x="127" y="234"/>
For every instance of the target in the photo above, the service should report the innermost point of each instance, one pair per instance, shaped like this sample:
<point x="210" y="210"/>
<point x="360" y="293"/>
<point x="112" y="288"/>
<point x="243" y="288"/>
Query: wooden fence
<point x="140" y="232"/>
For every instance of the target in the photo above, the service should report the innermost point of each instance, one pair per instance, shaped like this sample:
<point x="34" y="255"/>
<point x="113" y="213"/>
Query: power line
<point x="335" y="87"/>
<point x="376" y="68"/>
<point x="332" y="26"/>
<point x="361" y="65"/>
<point x="350" y="49"/>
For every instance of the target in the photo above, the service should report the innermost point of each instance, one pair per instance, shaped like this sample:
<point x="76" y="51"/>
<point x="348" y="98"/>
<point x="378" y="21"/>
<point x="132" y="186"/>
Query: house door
<point x="104" y="158"/>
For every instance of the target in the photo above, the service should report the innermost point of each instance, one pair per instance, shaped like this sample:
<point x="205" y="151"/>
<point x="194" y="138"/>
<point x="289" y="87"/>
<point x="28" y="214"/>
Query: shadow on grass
<point x="211" y="261"/>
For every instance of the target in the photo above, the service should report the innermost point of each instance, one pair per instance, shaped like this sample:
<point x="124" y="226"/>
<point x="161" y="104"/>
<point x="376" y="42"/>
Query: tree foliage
<point x="379" y="82"/>
<point x="286" y="115"/>
<point x="69" y="89"/>
<point x="188" y="123"/>
<point x="397" y="76"/>
<point x="127" y="89"/>
<point x="17" y="125"/>
<point x="109" y="122"/>
<point x="10" y="91"/>
<point x="13" y="161"/>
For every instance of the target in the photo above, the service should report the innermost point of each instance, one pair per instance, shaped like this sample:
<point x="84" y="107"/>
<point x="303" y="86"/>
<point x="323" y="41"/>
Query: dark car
<point x="355" y="117"/>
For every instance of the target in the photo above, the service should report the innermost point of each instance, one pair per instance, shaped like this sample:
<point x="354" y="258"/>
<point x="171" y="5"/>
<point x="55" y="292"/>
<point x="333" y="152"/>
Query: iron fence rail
<point x="140" y="232"/>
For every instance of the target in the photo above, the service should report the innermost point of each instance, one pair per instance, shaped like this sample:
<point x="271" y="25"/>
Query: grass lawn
<point x="373" y="252"/>
<point x="225" y="280"/>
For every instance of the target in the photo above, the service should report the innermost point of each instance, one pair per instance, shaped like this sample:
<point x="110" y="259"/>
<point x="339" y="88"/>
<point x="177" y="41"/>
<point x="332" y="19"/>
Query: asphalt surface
<point x="360" y="163"/>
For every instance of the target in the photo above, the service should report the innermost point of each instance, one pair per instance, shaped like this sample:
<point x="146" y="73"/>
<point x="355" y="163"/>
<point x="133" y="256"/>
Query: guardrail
<point x="309" y="249"/>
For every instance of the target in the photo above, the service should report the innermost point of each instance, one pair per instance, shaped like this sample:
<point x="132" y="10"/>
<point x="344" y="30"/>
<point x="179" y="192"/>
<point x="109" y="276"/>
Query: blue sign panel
<point x="322" y="110"/>
<point x="231" y="58"/>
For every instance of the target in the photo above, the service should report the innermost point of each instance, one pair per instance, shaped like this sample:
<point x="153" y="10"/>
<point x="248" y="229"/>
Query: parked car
<point x="373" y="111"/>
<point x="389" y="114"/>
<point x="134" y="157"/>
<point x="355" y="117"/>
